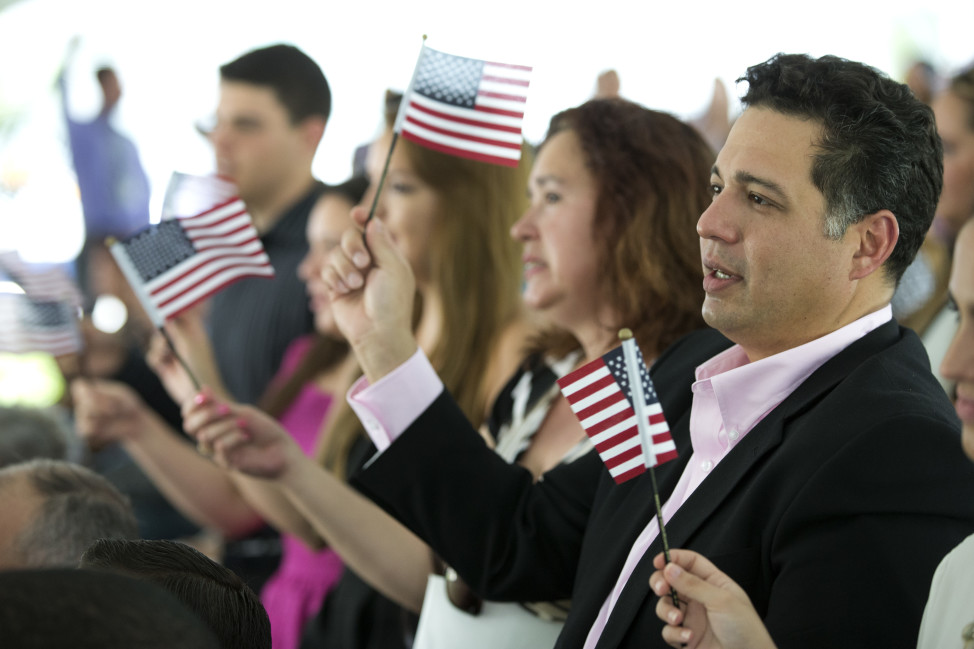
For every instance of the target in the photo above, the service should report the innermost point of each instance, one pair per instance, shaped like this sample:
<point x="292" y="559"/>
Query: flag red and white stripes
<point x="176" y="263"/>
<point x="37" y="325"/>
<point x="39" y="281"/>
<point x="600" y="395"/>
<point x="465" y="107"/>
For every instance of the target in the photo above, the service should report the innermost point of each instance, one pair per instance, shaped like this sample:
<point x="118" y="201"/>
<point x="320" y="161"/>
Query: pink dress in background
<point x="295" y="592"/>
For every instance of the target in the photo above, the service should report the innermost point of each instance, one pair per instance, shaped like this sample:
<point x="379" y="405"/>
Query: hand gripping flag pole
<point x="124" y="263"/>
<point x="182" y="362"/>
<point x="633" y="361"/>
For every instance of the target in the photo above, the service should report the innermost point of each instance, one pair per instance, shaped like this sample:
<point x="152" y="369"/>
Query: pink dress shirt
<point x="730" y="397"/>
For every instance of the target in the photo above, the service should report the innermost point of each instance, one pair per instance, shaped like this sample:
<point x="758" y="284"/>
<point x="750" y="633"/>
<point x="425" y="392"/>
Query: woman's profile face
<point x="407" y="205"/>
<point x="328" y="219"/>
<point x="958" y="363"/>
<point x="560" y="256"/>
<point x="953" y="115"/>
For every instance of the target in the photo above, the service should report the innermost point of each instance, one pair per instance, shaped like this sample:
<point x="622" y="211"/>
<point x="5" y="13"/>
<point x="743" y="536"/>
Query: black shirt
<point x="253" y="321"/>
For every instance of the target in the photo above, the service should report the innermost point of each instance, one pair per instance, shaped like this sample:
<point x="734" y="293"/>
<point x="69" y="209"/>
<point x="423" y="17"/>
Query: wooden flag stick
<point x="392" y="146"/>
<point x="646" y="439"/>
<point x="172" y="348"/>
<point x="382" y="180"/>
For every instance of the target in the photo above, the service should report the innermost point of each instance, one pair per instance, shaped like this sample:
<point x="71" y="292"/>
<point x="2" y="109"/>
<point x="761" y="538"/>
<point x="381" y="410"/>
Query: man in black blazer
<point x="836" y="487"/>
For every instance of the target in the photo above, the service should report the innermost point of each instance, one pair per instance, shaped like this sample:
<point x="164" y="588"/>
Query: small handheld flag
<point x="601" y="395"/>
<point x="39" y="308"/>
<point x="47" y="282"/>
<point x="175" y="264"/>
<point x="465" y="107"/>
<point x="37" y="325"/>
<point x="192" y="194"/>
<point x="616" y="403"/>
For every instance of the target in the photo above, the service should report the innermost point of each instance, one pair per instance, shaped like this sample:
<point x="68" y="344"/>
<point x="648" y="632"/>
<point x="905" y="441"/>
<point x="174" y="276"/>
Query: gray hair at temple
<point x="30" y="433"/>
<point x="879" y="147"/>
<point x="54" y="510"/>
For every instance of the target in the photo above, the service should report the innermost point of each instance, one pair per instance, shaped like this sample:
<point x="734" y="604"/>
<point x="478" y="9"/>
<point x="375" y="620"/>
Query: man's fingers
<point x="665" y="610"/>
<point x="690" y="561"/>
<point x="716" y="592"/>
<point x="676" y="636"/>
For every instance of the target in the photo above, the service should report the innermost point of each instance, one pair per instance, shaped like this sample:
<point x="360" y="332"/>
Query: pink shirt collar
<point x="745" y="392"/>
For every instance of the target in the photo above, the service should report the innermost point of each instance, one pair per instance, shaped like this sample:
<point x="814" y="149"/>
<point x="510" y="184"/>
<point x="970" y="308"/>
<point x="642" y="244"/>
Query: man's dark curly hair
<point x="878" y="149"/>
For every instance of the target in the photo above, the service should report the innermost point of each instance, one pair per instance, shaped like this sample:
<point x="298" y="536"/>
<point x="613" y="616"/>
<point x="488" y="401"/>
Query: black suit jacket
<point x="832" y="513"/>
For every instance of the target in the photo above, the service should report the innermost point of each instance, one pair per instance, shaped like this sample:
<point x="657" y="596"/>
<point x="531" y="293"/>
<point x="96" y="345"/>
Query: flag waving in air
<point x="39" y="308"/>
<point x="465" y="107"/>
<point x="600" y="394"/>
<point x="176" y="263"/>
<point x="38" y="325"/>
<point x="48" y="282"/>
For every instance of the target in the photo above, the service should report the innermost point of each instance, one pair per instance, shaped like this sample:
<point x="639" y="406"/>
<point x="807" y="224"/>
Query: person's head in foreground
<point x="85" y="609"/>
<point x="217" y="595"/>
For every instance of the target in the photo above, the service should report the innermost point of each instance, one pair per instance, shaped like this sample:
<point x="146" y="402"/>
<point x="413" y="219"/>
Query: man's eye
<point x="758" y="200"/>
<point x="552" y="197"/>
<point x="247" y="126"/>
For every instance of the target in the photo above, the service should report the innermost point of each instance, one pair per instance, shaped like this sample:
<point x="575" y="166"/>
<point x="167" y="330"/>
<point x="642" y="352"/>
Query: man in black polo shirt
<point x="273" y="107"/>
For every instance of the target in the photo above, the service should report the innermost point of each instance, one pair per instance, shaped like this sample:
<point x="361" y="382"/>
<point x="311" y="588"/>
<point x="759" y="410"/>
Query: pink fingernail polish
<point x="223" y="410"/>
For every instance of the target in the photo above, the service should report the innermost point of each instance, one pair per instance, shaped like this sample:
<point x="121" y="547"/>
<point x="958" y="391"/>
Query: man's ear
<point x="876" y="235"/>
<point x="312" y="130"/>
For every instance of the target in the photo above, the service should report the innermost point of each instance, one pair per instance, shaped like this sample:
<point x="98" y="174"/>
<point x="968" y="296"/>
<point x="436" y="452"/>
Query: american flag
<point x="192" y="194"/>
<point x="37" y="325"/>
<point x="600" y="395"/>
<point x="39" y="281"/>
<point x="465" y="107"/>
<point x="174" y="264"/>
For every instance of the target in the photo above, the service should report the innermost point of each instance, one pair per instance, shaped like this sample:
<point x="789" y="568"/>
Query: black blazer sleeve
<point x="509" y="539"/>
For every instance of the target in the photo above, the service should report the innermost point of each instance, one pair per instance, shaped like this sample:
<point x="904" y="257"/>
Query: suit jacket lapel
<point x="760" y="441"/>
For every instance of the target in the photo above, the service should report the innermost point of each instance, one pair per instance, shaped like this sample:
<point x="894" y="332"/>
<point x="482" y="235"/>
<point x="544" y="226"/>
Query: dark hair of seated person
<point x="86" y="609"/>
<point x="228" y="606"/>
